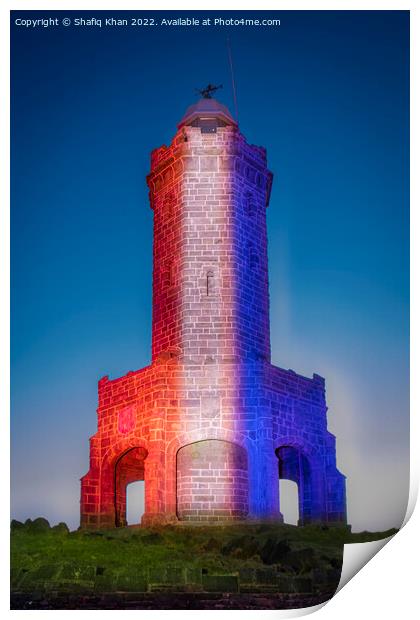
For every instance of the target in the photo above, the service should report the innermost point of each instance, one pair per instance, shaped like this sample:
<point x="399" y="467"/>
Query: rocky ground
<point x="241" y="566"/>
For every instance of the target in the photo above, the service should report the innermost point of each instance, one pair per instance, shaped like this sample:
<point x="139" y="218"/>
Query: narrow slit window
<point x="210" y="284"/>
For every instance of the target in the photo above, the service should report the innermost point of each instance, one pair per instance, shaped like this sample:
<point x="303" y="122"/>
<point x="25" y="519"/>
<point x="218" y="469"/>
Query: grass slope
<point x="231" y="558"/>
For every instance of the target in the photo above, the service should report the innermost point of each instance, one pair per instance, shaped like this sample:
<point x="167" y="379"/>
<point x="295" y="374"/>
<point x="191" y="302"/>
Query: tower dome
<point x="207" y="113"/>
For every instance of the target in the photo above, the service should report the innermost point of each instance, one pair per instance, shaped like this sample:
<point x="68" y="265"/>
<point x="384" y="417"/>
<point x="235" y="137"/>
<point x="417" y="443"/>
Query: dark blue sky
<point x="327" y="93"/>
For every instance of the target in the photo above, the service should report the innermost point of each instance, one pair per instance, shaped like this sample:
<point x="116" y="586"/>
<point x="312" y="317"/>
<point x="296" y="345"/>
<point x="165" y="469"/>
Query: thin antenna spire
<point x="233" y="77"/>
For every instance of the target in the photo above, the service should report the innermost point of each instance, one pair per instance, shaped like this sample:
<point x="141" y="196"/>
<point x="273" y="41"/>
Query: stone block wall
<point x="212" y="481"/>
<point x="299" y="414"/>
<point x="150" y="423"/>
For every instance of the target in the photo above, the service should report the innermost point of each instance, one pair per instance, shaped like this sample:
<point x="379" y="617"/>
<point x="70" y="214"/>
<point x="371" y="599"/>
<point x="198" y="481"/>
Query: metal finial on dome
<point x="208" y="91"/>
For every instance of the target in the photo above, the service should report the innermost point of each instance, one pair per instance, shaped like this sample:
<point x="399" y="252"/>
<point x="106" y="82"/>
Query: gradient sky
<point x="327" y="93"/>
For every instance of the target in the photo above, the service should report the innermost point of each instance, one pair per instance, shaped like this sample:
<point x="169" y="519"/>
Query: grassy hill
<point x="53" y="567"/>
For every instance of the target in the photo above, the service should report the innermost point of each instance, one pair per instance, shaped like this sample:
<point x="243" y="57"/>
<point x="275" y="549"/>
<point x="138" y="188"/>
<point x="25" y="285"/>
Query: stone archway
<point x="129" y="468"/>
<point x="295" y="466"/>
<point x="212" y="481"/>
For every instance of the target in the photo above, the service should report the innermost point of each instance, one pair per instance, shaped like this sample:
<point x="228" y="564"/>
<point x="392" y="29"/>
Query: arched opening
<point x="289" y="501"/>
<point x="212" y="481"/>
<point x="294" y="466"/>
<point x="129" y="468"/>
<point x="135" y="501"/>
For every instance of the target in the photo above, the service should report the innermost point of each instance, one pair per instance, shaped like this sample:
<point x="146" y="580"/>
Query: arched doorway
<point x="289" y="501"/>
<point x="135" y="502"/>
<point x="129" y="468"/>
<point x="212" y="481"/>
<point x="295" y="466"/>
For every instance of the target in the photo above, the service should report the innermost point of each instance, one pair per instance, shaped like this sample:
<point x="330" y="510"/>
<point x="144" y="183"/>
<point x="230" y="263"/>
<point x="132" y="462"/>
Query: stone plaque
<point x="126" y="419"/>
<point x="210" y="406"/>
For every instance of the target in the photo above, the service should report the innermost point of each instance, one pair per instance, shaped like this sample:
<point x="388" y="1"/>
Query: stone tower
<point x="211" y="425"/>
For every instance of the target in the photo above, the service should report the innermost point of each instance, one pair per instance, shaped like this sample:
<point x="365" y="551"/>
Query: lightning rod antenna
<point x="233" y="77"/>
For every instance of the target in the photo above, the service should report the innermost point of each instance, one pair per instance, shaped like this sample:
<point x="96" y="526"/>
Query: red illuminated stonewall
<point x="211" y="425"/>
